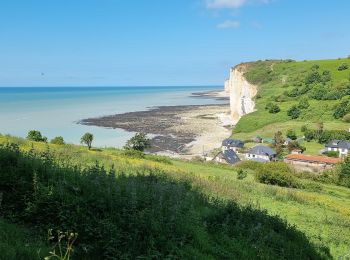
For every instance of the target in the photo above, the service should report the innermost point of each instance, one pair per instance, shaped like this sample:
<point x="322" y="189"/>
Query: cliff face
<point x="241" y="92"/>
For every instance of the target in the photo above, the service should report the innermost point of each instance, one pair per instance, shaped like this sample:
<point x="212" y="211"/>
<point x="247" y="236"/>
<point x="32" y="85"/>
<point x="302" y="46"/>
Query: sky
<point x="160" y="42"/>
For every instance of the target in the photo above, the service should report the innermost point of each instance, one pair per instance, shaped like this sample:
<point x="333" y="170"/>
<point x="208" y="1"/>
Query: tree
<point x="278" y="142"/>
<point x="303" y="103"/>
<point x="291" y="134"/>
<point x="294" y="112"/>
<point x="58" y="140"/>
<point x="326" y="76"/>
<point x="295" y="145"/>
<point x="87" y="139"/>
<point x="34" y="135"/>
<point x="139" y="142"/>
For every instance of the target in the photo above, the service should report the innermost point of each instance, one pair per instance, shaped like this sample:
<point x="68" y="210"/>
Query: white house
<point x="231" y="144"/>
<point x="261" y="153"/>
<point x="340" y="146"/>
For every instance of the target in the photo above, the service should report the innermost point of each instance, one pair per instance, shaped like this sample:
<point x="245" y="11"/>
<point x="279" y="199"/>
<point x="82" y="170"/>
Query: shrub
<point x="313" y="77"/>
<point x="36" y="136"/>
<point x="291" y="134"/>
<point x="295" y="145"/>
<point x="303" y="103"/>
<point x="294" y="112"/>
<point x="274" y="109"/>
<point x="326" y="76"/>
<point x="241" y="174"/>
<point x="341" y="109"/>
<point x="309" y="135"/>
<point x="303" y="128"/>
<point x="58" y="140"/>
<point x="332" y="154"/>
<point x="343" y="66"/>
<point x="277" y="174"/>
<point x="346" y="118"/>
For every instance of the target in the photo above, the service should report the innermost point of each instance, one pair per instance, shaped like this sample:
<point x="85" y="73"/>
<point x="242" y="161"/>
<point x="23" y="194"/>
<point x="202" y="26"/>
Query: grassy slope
<point x="283" y="75"/>
<point x="323" y="215"/>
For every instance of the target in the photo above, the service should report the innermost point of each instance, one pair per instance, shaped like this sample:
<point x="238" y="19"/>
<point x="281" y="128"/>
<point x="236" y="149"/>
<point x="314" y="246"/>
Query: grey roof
<point x="338" y="144"/>
<point x="262" y="150"/>
<point x="233" y="143"/>
<point x="287" y="139"/>
<point x="230" y="156"/>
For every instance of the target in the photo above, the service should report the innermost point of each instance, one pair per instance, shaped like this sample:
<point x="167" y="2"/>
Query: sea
<point x="56" y="111"/>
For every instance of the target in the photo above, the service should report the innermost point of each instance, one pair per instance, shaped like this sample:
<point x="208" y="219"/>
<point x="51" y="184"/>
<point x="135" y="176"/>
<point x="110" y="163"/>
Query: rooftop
<point x="311" y="158"/>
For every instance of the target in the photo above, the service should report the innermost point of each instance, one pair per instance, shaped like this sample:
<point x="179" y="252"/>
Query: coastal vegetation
<point x="306" y="94"/>
<point x="87" y="139"/>
<point x="151" y="206"/>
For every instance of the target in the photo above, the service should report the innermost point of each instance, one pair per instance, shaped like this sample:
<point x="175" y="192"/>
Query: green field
<point x="283" y="83"/>
<point x="320" y="211"/>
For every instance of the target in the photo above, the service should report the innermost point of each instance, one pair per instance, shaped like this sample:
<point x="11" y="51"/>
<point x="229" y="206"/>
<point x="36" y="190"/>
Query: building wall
<point x="308" y="166"/>
<point x="251" y="156"/>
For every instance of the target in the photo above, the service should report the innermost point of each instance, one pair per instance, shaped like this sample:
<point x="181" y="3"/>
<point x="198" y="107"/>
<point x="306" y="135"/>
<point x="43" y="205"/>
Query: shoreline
<point x="182" y="131"/>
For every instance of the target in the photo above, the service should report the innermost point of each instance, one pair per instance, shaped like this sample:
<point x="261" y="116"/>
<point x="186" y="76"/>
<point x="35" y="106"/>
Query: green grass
<point x="321" y="213"/>
<point x="273" y="79"/>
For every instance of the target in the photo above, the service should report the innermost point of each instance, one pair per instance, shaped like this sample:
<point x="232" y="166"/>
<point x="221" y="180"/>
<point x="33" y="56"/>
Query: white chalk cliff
<point x="241" y="93"/>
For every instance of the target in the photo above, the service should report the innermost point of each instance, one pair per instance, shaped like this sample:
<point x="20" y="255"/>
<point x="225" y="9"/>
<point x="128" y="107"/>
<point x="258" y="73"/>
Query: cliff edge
<point x="241" y="93"/>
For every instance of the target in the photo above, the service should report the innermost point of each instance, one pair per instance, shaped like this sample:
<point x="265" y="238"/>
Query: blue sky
<point x="160" y="42"/>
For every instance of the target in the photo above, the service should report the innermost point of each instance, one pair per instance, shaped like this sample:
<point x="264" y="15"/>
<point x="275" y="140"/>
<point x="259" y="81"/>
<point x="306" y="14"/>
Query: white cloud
<point x="231" y="4"/>
<point x="228" y="24"/>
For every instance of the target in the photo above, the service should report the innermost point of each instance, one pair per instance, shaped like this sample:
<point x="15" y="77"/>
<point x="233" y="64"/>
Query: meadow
<point x="127" y="206"/>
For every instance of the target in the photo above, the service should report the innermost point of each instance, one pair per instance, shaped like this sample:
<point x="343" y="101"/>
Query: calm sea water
<point x="55" y="111"/>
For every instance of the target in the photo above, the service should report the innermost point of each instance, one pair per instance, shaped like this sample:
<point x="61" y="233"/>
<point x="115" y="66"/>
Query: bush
<point x="343" y="66"/>
<point x="294" y="112"/>
<point x="341" y="109"/>
<point x="274" y="109"/>
<point x="303" y="103"/>
<point x="313" y="77"/>
<point x="295" y="145"/>
<point x="277" y="174"/>
<point x="36" y="136"/>
<point x="291" y="134"/>
<point x="334" y="154"/>
<point x="346" y="118"/>
<point x="303" y="128"/>
<point x="241" y="174"/>
<point x="58" y="140"/>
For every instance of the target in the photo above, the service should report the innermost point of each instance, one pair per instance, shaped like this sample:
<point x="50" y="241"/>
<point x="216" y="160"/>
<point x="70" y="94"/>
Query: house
<point x="261" y="153"/>
<point x="257" y="139"/>
<point x="311" y="163"/>
<point x="340" y="146"/>
<point x="228" y="156"/>
<point x="232" y="144"/>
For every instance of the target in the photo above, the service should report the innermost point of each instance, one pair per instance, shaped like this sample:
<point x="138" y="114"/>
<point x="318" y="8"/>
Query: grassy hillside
<point x="171" y="208"/>
<point x="323" y="84"/>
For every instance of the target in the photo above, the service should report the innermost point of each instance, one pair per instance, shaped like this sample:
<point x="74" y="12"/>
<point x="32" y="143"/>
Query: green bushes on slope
<point x="138" y="215"/>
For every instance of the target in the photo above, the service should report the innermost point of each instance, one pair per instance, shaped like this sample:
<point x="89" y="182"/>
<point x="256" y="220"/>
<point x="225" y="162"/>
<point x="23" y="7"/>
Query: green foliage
<point x="34" y="135"/>
<point x="303" y="103"/>
<point x="341" y="109"/>
<point x="87" y="139"/>
<point x="334" y="154"/>
<point x="58" y="140"/>
<point x="241" y="174"/>
<point x="326" y="76"/>
<point x="313" y="77"/>
<point x="17" y="242"/>
<point x="294" y="112"/>
<point x="139" y="216"/>
<point x="346" y="118"/>
<point x="295" y="145"/>
<point x="277" y="174"/>
<point x="261" y="73"/>
<point x="343" y="66"/>
<point x="325" y="136"/>
<point x="344" y="176"/>
<point x="303" y="128"/>
<point x="272" y="108"/>
<point x="291" y="134"/>
<point x="139" y="142"/>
